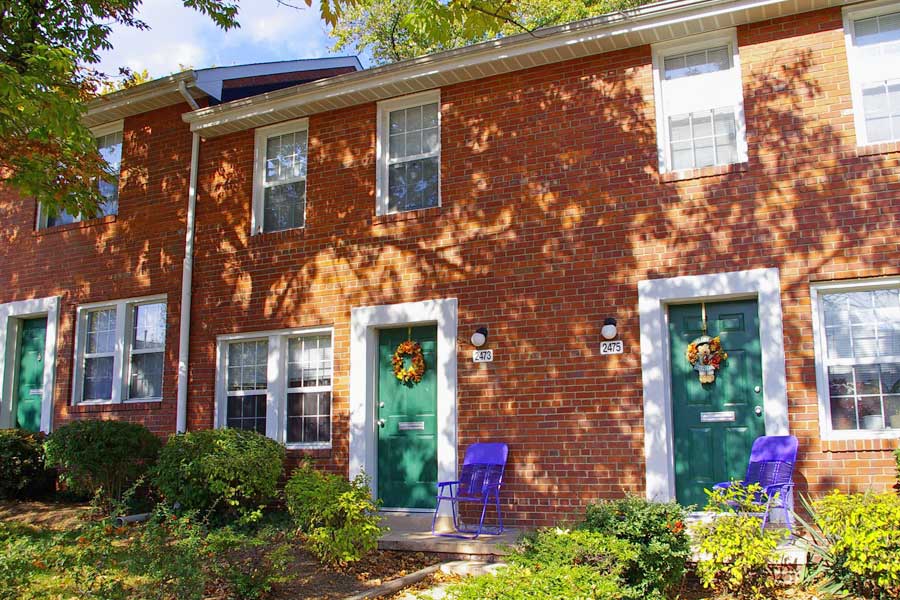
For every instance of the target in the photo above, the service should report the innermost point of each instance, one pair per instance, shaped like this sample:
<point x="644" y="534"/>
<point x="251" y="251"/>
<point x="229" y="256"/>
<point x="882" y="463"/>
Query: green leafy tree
<point x="392" y="30"/>
<point x="47" y="52"/>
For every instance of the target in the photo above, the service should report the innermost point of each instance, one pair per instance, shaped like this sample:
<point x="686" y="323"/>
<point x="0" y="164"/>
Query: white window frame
<point x="122" y="353"/>
<point x="257" y="218"/>
<point x="277" y="375"/>
<point x="98" y="132"/>
<point x="700" y="42"/>
<point x="382" y="143"/>
<point x="131" y="351"/>
<point x="816" y="291"/>
<point x="852" y="14"/>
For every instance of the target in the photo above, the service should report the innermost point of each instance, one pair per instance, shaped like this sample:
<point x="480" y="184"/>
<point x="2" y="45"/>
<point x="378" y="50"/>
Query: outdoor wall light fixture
<point x="479" y="338"/>
<point x="609" y="330"/>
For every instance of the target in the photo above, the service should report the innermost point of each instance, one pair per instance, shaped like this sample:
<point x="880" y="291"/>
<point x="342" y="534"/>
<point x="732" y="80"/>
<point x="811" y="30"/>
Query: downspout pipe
<point x="187" y="271"/>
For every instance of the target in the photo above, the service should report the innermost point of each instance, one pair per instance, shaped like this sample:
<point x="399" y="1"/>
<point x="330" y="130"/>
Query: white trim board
<point x="364" y="324"/>
<point x="11" y="314"/>
<point x="654" y="297"/>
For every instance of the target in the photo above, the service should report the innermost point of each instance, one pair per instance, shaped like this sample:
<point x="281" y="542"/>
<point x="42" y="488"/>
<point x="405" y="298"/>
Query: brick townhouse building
<point x="727" y="168"/>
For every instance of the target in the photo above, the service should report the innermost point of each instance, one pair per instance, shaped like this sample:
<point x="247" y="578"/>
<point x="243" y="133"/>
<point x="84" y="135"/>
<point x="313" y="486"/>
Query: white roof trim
<point x="668" y="19"/>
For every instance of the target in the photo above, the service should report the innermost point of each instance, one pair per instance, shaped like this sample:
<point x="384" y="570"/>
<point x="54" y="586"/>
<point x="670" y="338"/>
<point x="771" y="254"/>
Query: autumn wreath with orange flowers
<point x="413" y="373"/>
<point x="706" y="357"/>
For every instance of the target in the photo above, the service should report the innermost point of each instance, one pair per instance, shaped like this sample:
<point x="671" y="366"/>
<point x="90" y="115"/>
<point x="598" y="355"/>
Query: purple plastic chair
<point x="771" y="465"/>
<point x="481" y="478"/>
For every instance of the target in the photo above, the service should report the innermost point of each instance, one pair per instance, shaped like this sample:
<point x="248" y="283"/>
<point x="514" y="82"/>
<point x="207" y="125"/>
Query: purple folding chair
<point x="772" y="461"/>
<point x="481" y="478"/>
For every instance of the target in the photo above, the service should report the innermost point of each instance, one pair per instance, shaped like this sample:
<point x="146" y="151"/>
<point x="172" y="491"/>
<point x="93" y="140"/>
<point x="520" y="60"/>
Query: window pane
<point x="247" y="412"/>
<point x="110" y="147"/>
<point x="867" y="379"/>
<point x="892" y="411"/>
<point x="413" y="131"/>
<point x="840" y="381"/>
<point x="870" y="416"/>
<point x="697" y="63"/>
<point x="61" y="218"/>
<point x="146" y="375"/>
<point x="247" y="365"/>
<point x="309" y="418"/>
<point x="309" y="361"/>
<point x="98" y="376"/>
<point x="843" y="414"/>
<point x="703" y="138"/>
<point x="149" y="326"/>
<point x="284" y="206"/>
<point x="286" y="156"/>
<point x="101" y="331"/>
<point x="413" y="185"/>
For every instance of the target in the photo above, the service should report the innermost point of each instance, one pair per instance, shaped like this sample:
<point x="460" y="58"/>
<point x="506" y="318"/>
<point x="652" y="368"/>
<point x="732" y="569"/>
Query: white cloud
<point x="179" y="35"/>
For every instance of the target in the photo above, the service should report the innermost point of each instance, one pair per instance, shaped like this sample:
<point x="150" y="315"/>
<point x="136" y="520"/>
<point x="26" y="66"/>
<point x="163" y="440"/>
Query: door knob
<point x="381" y="422"/>
<point x="758" y="410"/>
<point x="757" y="389"/>
<point x="381" y="405"/>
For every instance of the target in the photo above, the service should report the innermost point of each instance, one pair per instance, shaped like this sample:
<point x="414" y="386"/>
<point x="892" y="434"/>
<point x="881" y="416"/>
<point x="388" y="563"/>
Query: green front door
<point x="30" y="378"/>
<point x="407" y="423"/>
<point x="715" y="423"/>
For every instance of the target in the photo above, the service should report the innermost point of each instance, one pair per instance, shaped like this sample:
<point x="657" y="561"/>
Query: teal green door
<point x="715" y="423"/>
<point x="30" y="378"/>
<point x="407" y="424"/>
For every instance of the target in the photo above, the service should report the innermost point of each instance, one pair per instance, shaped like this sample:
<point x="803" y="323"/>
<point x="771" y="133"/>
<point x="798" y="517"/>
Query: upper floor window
<point x="279" y="177"/>
<point x="700" y="105"/>
<point x="858" y="357"/>
<point x="873" y="46"/>
<point x="277" y="384"/>
<point x="119" y="351"/>
<point x="409" y="153"/>
<point x="109" y="143"/>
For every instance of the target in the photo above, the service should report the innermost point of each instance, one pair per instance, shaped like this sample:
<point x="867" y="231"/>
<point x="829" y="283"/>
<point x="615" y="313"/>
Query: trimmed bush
<point x="557" y="563"/>
<point x="337" y="516"/>
<point x="656" y="529"/>
<point x="223" y="471"/>
<point x="856" y="543"/>
<point x="23" y="473"/>
<point x="102" y="458"/>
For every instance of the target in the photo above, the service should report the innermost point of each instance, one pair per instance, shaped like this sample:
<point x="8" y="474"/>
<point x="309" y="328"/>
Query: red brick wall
<point x="139" y="252"/>
<point x="552" y="211"/>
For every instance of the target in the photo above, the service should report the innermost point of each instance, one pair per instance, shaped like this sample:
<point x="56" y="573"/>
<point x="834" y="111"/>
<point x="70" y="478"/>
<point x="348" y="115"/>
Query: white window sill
<point x="319" y="446"/>
<point x="886" y="434"/>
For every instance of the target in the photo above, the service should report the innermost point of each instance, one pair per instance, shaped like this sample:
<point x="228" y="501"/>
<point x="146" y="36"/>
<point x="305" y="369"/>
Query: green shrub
<point x="856" y="543"/>
<point x="22" y="471"/>
<point x="548" y="583"/>
<point x="337" y="516"/>
<point x="227" y="471"/>
<point x="657" y="529"/>
<point x="735" y="551"/>
<point x="557" y="563"/>
<point x="102" y="458"/>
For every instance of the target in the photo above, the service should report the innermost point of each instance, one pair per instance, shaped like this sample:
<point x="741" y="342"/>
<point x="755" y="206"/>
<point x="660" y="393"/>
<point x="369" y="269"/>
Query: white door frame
<point x="11" y="315"/>
<point x="654" y="296"/>
<point x="364" y="324"/>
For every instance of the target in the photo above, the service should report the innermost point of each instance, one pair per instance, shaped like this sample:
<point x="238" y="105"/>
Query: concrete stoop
<point x="411" y="532"/>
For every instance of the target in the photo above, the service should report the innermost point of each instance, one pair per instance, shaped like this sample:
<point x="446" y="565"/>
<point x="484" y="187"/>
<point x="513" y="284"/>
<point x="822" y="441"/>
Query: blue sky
<point x="179" y="35"/>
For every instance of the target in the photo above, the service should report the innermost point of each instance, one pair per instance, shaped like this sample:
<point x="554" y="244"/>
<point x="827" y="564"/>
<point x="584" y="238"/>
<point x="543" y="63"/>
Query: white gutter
<point x="187" y="96"/>
<point x="187" y="270"/>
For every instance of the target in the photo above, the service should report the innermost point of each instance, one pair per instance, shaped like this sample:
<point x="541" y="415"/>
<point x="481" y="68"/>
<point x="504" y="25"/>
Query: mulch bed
<point x="313" y="581"/>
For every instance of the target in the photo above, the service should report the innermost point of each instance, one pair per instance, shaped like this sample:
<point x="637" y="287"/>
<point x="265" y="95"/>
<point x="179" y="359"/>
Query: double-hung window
<point x="873" y="46"/>
<point x="858" y="357"/>
<point x="120" y="351"/>
<point x="409" y="153"/>
<point x="278" y="384"/>
<point x="700" y="106"/>
<point x="279" y="177"/>
<point x="109" y="143"/>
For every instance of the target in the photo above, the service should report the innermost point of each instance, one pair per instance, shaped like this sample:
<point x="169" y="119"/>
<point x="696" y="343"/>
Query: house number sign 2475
<point x="612" y="347"/>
